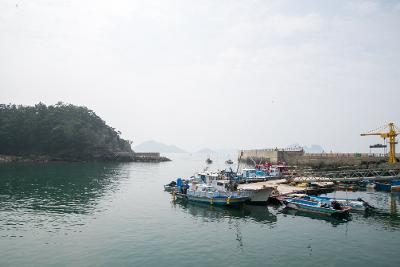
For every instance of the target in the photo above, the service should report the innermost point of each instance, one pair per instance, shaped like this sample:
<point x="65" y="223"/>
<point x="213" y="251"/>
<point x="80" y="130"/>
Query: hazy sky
<point x="210" y="73"/>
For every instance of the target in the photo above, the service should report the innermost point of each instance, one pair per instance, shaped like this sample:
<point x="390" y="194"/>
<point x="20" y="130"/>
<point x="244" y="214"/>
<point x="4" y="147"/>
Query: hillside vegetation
<point x="60" y="132"/>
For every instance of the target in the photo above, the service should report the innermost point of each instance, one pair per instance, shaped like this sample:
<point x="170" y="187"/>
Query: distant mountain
<point x="205" y="151"/>
<point x="153" y="146"/>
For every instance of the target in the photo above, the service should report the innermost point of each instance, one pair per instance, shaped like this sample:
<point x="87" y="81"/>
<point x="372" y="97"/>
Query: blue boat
<point x="355" y="204"/>
<point x="391" y="186"/>
<point x="327" y="209"/>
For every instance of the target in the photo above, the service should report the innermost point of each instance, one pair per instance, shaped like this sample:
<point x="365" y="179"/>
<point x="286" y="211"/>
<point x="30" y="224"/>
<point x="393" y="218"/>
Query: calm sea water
<point x="118" y="215"/>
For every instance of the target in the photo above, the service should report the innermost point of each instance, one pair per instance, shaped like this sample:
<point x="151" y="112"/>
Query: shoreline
<point x="105" y="159"/>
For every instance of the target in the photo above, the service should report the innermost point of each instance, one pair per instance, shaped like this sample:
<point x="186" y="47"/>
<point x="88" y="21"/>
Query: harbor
<point x="269" y="176"/>
<point x="123" y="208"/>
<point x="276" y="184"/>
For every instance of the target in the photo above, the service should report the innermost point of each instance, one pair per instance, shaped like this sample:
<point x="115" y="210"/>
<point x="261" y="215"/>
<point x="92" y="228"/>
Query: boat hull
<point x="170" y="188"/>
<point x="312" y="208"/>
<point x="396" y="185"/>
<point x="220" y="201"/>
<point x="393" y="186"/>
<point x="258" y="196"/>
<point x="356" y="205"/>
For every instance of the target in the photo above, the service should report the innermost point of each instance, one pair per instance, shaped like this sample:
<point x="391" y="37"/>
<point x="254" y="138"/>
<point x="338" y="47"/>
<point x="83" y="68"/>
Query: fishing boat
<point x="256" y="194"/>
<point x="355" y="204"/>
<point x="204" y="193"/>
<point x="327" y="209"/>
<point x="209" y="161"/>
<point x="391" y="186"/>
<point x="229" y="161"/>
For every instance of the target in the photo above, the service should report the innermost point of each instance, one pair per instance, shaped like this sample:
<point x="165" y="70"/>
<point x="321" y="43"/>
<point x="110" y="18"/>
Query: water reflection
<point x="259" y="214"/>
<point x="330" y="219"/>
<point x="379" y="218"/>
<point x="63" y="188"/>
<point x="394" y="198"/>
<point x="52" y="195"/>
<point x="234" y="216"/>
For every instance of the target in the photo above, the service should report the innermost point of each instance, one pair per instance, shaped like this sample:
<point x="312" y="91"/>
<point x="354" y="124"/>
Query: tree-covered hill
<point x="59" y="132"/>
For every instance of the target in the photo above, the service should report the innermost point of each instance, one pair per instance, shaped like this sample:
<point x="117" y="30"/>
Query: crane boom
<point x="393" y="131"/>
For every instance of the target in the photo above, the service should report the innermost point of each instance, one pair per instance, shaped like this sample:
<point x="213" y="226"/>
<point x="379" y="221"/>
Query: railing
<point x="346" y="175"/>
<point x="295" y="149"/>
<point x="344" y="155"/>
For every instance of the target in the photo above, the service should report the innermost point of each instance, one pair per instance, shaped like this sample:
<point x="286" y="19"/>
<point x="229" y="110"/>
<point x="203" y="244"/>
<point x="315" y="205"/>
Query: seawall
<point x="297" y="157"/>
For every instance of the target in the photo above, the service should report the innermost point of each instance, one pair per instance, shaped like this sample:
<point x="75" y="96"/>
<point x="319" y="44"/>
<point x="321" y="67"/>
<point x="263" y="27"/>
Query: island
<point x="62" y="132"/>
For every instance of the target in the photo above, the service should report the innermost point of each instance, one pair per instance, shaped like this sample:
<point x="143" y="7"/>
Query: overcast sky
<point x="210" y="73"/>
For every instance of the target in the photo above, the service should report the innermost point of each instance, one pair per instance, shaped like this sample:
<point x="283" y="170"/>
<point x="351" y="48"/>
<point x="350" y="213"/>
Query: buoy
<point x="228" y="200"/>
<point x="212" y="201"/>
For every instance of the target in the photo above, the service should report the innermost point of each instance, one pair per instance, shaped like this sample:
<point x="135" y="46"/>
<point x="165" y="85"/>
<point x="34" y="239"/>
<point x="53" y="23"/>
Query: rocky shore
<point x="114" y="157"/>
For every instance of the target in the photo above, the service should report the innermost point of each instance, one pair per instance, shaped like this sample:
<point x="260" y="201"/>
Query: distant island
<point x="62" y="132"/>
<point x="151" y="146"/>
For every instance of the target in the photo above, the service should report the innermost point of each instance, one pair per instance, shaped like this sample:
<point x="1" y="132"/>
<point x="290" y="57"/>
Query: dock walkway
<point x="347" y="175"/>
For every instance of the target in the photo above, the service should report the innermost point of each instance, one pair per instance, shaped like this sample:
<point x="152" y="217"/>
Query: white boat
<point x="355" y="204"/>
<point x="209" y="194"/>
<point x="257" y="195"/>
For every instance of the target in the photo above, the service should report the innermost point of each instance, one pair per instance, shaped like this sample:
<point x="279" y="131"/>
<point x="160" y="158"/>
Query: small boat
<point x="208" y="194"/>
<point x="209" y="161"/>
<point x="356" y="204"/>
<point x="229" y="161"/>
<point x="256" y="195"/>
<point x="391" y="186"/>
<point x="327" y="209"/>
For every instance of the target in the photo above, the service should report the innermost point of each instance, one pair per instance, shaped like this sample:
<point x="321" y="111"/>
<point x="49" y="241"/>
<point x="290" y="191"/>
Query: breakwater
<point x="297" y="157"/>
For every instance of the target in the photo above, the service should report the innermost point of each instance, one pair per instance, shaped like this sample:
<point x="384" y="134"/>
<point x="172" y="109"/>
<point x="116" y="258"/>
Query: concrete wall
<point x="299" y="158"/>
<point x="271" y="155"/>
<point x="335" y="159"/>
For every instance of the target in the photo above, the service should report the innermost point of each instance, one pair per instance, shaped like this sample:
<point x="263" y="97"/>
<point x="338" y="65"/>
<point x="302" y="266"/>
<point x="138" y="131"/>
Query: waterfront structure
<point x="389" y="131"/>
<point x="298" y="157"/>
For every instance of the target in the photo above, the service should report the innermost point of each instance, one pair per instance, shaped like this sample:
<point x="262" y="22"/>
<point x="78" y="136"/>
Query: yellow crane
<point x="391" y="132"/>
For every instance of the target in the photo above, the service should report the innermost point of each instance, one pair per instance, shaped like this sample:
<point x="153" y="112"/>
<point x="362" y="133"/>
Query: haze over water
<point x="118" y="215"/>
